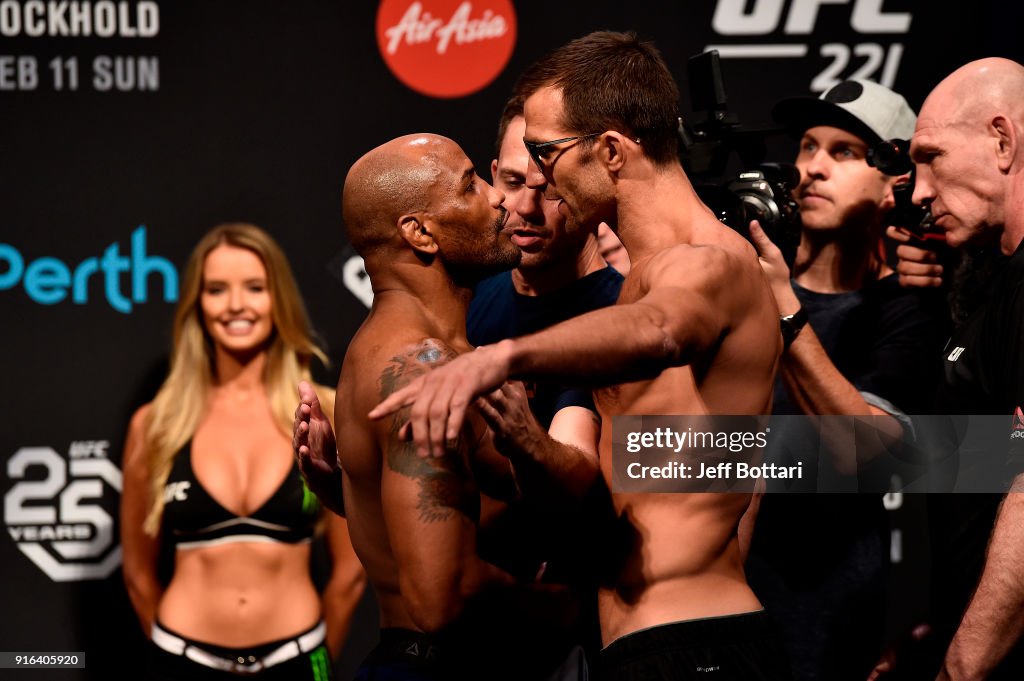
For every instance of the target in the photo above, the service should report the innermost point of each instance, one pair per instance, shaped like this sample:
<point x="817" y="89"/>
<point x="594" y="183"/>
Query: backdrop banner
<point x="131" y="127"/>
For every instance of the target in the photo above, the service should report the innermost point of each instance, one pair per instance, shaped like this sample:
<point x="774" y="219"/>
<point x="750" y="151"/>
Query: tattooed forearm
<point x="445" y="483"/>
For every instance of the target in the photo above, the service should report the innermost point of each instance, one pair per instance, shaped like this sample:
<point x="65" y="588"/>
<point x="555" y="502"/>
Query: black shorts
<point x="173" y="657"/>
<point x="731" y="648"/>
<point x="404" y="655"/>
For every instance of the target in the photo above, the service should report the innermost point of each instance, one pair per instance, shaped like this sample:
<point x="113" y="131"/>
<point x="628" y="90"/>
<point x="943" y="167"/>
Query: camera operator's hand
<point x="775" y="268"/>
<point x="917" y="267"/>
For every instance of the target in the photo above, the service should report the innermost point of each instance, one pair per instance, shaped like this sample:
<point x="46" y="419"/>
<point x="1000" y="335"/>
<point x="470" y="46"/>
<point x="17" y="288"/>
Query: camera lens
<point x="756" y="208"/>
<point x="891" y="157"/>
<point x="886" y="153"/>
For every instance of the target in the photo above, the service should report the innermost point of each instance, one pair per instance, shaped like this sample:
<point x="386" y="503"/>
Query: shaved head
<point x="389" y="181"/>
<point x="968" y="148"/>
<point x="421" y="194"/>
<point x="976" y="91"/>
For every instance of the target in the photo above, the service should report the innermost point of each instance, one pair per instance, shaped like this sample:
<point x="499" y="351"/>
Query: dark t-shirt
<point x="881" y="338"/>
<point x="983" y="370"/>
<point x="818" y="561"/>
<point x="983" y="363"/>
<point x="498" y="312"/>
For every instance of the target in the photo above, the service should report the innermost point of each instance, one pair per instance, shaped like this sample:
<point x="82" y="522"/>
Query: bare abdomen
<point x="676" y="556"/>
<point x="241" y="594"/>
<point x="681" y="561"/>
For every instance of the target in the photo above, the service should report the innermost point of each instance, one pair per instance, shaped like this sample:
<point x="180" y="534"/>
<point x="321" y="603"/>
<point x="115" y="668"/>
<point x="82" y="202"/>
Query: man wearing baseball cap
<point x="856" y="345"/>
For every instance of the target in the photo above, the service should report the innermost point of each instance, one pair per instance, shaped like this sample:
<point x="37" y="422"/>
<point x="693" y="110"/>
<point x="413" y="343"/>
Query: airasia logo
<point x="446" y="48"/>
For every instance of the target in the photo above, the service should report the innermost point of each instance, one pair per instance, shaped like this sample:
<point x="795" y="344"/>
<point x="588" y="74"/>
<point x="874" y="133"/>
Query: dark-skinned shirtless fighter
<point x="428" y="228"/>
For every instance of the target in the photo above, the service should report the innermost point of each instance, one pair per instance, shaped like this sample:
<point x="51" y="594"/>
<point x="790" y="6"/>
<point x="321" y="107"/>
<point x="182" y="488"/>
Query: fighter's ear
<point x="615" y="147"/>
<point x="416" y="232"/>
<point x="1005" y="134"/>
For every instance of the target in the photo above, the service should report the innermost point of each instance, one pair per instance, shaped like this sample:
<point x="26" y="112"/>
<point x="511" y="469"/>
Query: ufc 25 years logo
<point x="878" y="60"/>
<point x="57" y="519"/>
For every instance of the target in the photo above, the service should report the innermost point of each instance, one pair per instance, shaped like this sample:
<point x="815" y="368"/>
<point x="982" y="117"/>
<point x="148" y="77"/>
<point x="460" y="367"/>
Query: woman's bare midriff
<point x="241" y="594"/>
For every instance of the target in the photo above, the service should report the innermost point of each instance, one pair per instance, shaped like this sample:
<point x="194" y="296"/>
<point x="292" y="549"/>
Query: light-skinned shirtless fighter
<point x="695" y="331"/>
<point x="427" y="228"/>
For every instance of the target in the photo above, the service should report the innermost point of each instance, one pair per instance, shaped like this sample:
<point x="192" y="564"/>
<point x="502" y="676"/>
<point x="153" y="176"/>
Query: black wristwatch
<point x="791" y="325"/>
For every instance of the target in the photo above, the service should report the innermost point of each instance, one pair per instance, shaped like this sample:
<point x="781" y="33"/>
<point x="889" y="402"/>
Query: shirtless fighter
<point x="695" y="331"/>
<point x="428" y="228"/>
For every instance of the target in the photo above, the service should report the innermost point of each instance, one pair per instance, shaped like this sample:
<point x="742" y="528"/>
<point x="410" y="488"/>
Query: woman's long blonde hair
<point x="179" y="405"/>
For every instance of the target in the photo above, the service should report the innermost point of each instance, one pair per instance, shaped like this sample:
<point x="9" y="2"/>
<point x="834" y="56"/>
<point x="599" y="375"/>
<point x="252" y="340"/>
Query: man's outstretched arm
<point x="690" y="301"/>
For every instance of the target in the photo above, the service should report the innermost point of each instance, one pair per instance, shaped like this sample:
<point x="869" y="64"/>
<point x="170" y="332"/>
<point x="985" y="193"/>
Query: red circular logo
<point x="446" y="48"/>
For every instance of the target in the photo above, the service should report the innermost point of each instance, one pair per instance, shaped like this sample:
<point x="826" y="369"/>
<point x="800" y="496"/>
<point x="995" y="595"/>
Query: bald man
<point x="428" y="228"/>
<point x="968" y="147"/>
<point x="695" y="331"/>
<point x="560" y="275"/>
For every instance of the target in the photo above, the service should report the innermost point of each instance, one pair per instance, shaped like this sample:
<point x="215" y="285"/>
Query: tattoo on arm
<point x="445" y="485"/>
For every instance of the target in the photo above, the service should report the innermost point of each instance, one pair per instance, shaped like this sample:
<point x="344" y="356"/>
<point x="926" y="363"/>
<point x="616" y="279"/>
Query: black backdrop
<point x="118" y="151"/>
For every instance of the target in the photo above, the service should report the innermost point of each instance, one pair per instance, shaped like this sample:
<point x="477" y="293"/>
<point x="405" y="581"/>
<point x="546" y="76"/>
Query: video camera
<point x="761" y="191"/>
<point x="892" y="157"/>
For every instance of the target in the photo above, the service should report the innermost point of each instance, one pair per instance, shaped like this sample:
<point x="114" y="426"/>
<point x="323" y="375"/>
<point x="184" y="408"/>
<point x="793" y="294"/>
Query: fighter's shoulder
<point x="709" y="262"/>
<point x="423" y="352"/>
<point x="400" y="362"/>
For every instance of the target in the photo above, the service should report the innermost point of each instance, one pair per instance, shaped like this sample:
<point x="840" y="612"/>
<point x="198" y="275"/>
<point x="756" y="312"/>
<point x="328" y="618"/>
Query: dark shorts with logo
<point x="404" y="655"/>
<point x="736" y="647"/>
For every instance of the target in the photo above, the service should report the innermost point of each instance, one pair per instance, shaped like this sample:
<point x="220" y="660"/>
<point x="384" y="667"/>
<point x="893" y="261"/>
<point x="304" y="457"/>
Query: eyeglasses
<point x="536" y="149"/>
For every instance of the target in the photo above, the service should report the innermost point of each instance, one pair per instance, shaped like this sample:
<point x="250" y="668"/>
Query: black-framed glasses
<point x="536" y="149"/>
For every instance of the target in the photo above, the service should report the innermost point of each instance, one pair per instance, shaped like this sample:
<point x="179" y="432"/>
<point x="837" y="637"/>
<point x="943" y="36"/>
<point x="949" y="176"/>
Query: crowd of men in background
<point x="483" y="508"/>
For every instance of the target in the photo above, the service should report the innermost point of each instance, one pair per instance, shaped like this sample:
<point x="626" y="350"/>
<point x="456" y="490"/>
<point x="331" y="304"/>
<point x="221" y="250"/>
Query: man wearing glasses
<point x="695" y="331"/>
